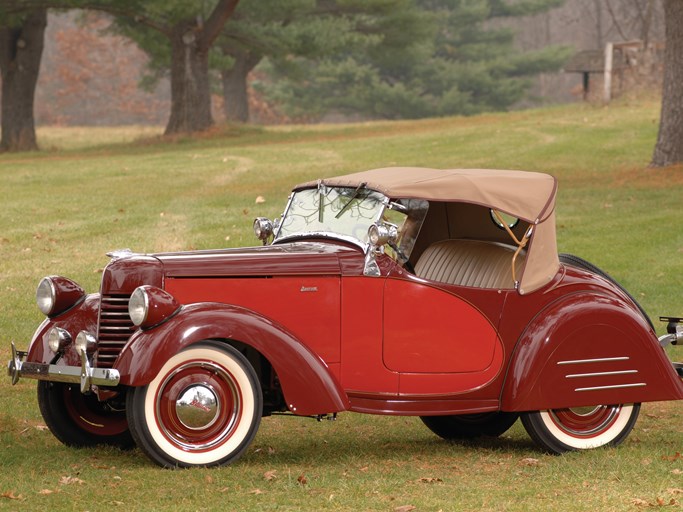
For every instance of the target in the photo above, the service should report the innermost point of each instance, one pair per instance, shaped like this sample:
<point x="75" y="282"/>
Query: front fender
<point x="82" y="317"/>
<point x="588" y="349"/>
<point x="307" y="384"/>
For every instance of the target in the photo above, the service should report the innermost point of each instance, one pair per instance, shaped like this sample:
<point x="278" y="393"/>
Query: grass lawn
<point x="92" y="191"/>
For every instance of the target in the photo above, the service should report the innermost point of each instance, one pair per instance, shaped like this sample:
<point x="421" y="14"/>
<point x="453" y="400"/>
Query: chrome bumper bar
<point x="85" y="375"/>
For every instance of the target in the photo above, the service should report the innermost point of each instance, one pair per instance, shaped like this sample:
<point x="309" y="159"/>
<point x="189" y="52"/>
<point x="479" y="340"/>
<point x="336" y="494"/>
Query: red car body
<point x="316" y="324"/>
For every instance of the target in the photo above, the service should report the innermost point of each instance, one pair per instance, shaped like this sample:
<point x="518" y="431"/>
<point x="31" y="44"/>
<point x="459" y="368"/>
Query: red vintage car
<point x="396" y="291"/>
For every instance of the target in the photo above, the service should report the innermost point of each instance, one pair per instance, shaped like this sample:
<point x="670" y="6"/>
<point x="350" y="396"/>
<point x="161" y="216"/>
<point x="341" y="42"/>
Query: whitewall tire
<point x="202" y="409"/>
<point x="581" y="428"/>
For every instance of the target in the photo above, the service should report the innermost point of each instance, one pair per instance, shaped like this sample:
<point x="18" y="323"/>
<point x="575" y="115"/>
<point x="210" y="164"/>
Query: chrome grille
<point x="114" y="329"/>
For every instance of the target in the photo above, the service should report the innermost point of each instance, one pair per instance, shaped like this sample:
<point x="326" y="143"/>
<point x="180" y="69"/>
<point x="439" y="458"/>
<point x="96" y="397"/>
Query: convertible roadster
<point x="396" y="291"/>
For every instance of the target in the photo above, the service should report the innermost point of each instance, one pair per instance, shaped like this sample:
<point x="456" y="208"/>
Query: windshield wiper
<point x="321" y="200"/>
<point x="355" y="194"/>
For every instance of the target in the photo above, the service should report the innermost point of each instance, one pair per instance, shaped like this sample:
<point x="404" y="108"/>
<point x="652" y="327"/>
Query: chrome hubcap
<point x="197" y="407"/>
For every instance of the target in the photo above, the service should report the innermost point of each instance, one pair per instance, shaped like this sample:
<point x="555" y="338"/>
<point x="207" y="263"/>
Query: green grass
<point x="92" y="191"/>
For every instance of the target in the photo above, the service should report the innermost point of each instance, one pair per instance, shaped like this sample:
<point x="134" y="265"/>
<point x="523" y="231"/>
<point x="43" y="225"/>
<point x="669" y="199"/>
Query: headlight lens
<point x="138" y="306"/>
<point x="56" y="294"/>
<point x="85" y="342"/>
<point x="45" y="295"/>
<point x="58" y="339"/>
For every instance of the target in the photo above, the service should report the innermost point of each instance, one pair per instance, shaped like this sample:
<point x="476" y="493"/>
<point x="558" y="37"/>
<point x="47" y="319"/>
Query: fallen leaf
<point x="363" y="469"/>
<point x="46" y="491"/>
<point x="270" y="475"/>
<point x="674" y="491"/>
<point x="404" y="508"/>
<point x="529" y="461"/>
<point x="639" y="503"/>
<point x="256" y="491"/>
<point x="68" y="480"/>
<point x="428" y="480"/>
<point x="260" y="200"/>
<point x="10" y="496"/>
<point x="208" y="479"/>
<point x="271" y="450"/>
<point x="677" y="471"/>
<point x="671" y="458"/>
<point x="302" y="479"/>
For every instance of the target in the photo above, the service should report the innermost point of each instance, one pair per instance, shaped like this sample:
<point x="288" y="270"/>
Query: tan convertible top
<point x="530" y="196"/>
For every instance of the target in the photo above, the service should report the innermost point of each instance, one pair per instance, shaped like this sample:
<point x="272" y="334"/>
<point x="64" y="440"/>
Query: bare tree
<point x="669" y="147"/>
<point x="21" y="48"/>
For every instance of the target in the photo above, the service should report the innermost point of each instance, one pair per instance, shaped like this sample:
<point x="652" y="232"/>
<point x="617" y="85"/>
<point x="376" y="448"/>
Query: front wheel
<point x="202" y="409"/>
<point x="80" y="420"/>
<point x="581" y="428"/>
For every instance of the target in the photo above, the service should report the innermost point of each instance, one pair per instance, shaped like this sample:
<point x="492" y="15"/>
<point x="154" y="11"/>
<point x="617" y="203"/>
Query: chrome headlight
<point x="263" y="228"/>
<point x="56" y="294"/>
<point x="380" y="234"/>
<point x="85" y="343"/>
<point x="46" y="295"/>
<point x="149" y="306"/>
<point x="58" y="339"/>
<point x="138" y="306"/>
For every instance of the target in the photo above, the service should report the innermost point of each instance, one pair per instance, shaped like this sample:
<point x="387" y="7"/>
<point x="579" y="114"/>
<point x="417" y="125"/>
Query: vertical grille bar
<point x="115" y="327"/>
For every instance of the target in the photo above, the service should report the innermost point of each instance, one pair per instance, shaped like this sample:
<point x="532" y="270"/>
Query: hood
<point x="292" y="258"/>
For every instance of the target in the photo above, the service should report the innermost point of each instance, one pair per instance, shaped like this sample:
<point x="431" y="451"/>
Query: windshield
<point x="338" y="212"/>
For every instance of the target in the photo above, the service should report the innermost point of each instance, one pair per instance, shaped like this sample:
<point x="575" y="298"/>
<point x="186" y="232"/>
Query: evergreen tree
<point x="290" y="32"/>
<point x="465" y="67"/>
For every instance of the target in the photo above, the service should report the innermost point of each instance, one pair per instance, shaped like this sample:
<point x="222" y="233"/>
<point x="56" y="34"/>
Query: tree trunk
<point x="236" y="100"/>
<point x="191" y="41"/>
<point x="21" y="48"/>
<point x="190" y="90"/>
<point x="669" y="147"/>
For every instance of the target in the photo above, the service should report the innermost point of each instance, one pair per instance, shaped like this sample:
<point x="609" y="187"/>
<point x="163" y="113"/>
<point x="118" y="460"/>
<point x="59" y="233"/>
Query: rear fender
<point x="307" y="384"/>
<point x="588" y="349"/>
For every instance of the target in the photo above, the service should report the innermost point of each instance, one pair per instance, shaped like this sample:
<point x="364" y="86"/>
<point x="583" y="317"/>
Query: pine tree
<point x="464" y="67"/>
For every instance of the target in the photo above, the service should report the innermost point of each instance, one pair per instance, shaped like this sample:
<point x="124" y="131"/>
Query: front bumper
<point x="85" y="375"/>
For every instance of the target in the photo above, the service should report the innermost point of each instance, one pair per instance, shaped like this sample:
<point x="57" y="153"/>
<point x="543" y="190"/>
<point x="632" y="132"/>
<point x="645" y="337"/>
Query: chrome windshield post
<point x="370" y="268"/>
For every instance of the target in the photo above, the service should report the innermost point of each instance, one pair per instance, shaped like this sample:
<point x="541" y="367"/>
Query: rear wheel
<point x="581" y="428"/>
<point x="78" y="419"/>
<point x="469" y="426"/>
<point x="202" y="409"/>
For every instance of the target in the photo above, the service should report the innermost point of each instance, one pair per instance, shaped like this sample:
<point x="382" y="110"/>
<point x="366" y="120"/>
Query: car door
<point x="440" y="339"/>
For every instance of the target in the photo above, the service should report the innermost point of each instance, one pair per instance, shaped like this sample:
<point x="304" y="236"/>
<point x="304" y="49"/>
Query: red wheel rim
<point x="92" y="416"/>
<point x="221" y="419"/>
<point x="585" y="422"/>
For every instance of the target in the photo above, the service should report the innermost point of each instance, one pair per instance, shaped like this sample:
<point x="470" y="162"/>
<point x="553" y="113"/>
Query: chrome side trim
<point x="616" y="386"/>
<point x="597" y="360"/>
<point x="599" y="374"/>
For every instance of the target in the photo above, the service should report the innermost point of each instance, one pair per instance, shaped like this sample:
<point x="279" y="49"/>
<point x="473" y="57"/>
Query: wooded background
<point x="275" y="61"/>
<point x="90" y="76"/>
